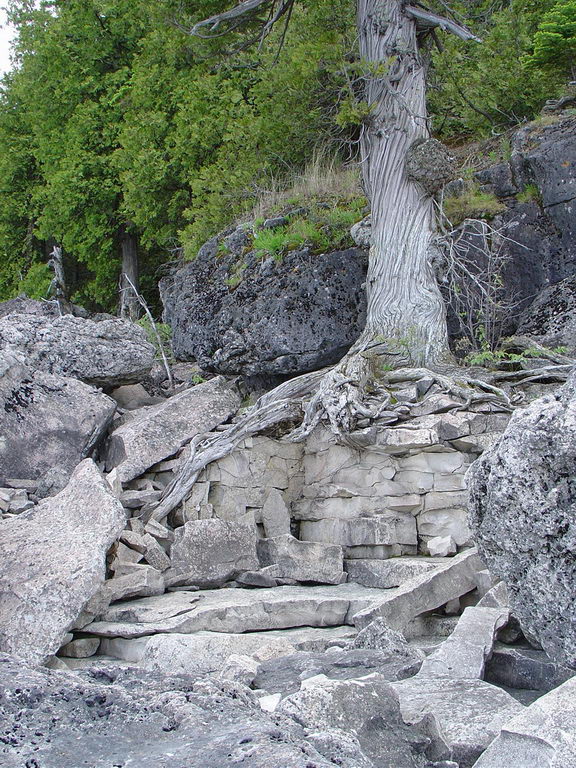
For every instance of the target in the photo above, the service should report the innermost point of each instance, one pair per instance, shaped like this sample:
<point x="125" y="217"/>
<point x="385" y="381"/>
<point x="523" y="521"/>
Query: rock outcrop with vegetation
<point x="241" y="536"/>
<point x="267" y="301"/>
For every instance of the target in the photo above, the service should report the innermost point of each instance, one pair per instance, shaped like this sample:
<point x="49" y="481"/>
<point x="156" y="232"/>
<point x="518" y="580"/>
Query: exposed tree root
<point x="353" y="395"/>
<point x="282" y="405"/>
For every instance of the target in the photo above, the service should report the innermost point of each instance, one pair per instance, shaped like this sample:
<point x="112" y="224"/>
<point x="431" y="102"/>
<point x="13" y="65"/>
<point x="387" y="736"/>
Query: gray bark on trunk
<point x="405" y="307"/>
<point x="129" y="304"/>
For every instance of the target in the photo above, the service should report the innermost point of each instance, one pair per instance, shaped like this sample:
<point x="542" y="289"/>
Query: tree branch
<point x="247" y="6"/>
<point x="427" y="19"/>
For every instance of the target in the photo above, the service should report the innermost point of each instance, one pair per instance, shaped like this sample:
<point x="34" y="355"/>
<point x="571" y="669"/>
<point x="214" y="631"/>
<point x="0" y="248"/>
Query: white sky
<point x="5" y="37"/>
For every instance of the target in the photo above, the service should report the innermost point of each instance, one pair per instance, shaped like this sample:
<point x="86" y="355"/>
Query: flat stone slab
<point x="425" y="592"/>
<point x="285" y="674"/>
<point x="302" y="560"/>
<point x="205" y="652"/>
<point x="541" y="736"/>
<point x="464" y="654"/>
<point x="465" y="715"/>
<point x="393" y="572"/>
<point x="159" y="431"/>
<point x="236" y="610"/>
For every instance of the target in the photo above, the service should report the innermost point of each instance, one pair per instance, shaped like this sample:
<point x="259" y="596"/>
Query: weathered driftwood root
<point x="547" y="373"/>
<point x="283" y="404"/>
<point x="469" y="390"/>
<point x="343" y="397"/>
<point x="208" y="448"/>
<point x="354" y="393"/>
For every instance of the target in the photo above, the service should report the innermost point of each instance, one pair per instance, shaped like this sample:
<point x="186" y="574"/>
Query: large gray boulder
<point x="159" y="431"/>
<point x="117" y="717"/>
<point x="53" y="560"/>
<point x="542" y="736"/>
<point x="22" y="305"/>
<point x="47" y="421"/>
<point x="523" y="513"/>
<point x="106" y="352"/>
<point x="537" y="186"/>
<point x="551" y="318"/>
<point x="367" y="708"/>
<point x="282" y="317"/>
<point x="461" y="716"/>
<point x="547" y="158"/>
<point x="207" y="553"/>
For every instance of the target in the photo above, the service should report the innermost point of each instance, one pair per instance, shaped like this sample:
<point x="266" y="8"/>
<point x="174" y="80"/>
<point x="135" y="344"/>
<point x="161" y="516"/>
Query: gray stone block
<point x="211" y="552"/>
<point x="157" y="432"/>
<point x="302" y="560"/>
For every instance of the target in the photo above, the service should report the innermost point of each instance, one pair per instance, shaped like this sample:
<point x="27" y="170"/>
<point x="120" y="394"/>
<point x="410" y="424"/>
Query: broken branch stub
<point x="428" y="20"/>
<point x="242" y="9"/>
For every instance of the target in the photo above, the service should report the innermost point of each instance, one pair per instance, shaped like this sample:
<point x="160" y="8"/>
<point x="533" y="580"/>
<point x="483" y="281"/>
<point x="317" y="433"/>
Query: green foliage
<point x="322" y="228"/>
<point x="275" y="242"/>
<point x="69" y="90"/>
<point x="530" y="194"/>
<point x="36" y="282"/>
<point x="160" y="337"/>
<point x="115" y="120"/>
<point x="353" y="112"/>
<point x="471" y="204"/>
<point x="477" y="89"/>
<point x="555" y="41"/>
<point x="236" y="274"/>
<point x="202" y="137"/>
<point x="497" y="358"/>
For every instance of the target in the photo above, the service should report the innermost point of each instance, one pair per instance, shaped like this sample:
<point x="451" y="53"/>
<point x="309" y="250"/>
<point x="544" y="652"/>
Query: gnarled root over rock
<point x="353" y="395"/>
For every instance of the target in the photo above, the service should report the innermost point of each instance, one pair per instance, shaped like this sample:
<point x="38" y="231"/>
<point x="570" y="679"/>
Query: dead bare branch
<point x="140" y="299"/>
<point x="428" y="20"/>
<point x="242" y="9"/>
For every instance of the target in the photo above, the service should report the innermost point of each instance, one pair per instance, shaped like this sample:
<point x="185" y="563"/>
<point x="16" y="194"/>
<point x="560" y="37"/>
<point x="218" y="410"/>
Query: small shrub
<point x="165" y="333"/>
<point x="530" y="194"/>
<point x="494" y="358"/>
<point x="236" y="275"/>
<point x="472" y="204"/>
<point x="321" y="230"/>
<point x="271" y="242"/>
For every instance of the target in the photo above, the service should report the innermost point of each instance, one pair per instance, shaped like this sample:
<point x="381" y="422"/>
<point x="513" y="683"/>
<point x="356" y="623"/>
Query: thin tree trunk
<point x="405" y="306"/>
<point x="129" y="305"/>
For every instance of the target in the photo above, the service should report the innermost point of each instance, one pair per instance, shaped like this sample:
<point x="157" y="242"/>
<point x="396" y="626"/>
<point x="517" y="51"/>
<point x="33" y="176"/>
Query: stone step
<point x="206" y="652"/>
<point x="393" y="572"/>
<point x="236" y="610"/>
<point x="425" y="591"/>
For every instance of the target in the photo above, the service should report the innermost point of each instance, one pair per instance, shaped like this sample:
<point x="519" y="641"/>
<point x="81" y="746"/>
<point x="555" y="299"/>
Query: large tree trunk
<point x="405" y="307"/>
<point x="129" y="305"/>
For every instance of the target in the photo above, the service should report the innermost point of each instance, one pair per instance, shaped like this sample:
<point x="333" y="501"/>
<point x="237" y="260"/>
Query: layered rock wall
<point x="389" y="497"/>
